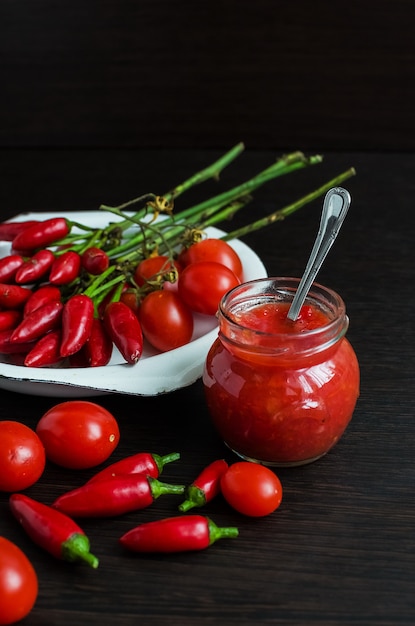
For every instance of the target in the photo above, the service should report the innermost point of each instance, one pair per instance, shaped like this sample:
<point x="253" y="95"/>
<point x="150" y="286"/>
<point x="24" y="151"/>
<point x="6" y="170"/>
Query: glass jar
<point x="280" y="392"/>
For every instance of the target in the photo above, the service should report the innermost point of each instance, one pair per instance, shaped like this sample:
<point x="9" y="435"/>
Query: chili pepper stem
<point x="161" y="461"/>
<point x="159" y="488"/>
<point x="195" y="498"/>
<point x="224" y="532"/>
<point x="76" y="548"/>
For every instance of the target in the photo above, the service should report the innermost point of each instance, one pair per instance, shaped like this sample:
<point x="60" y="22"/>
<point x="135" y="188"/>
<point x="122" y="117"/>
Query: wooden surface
<point x="341" y="548"/>
<point x="324" y="75"/>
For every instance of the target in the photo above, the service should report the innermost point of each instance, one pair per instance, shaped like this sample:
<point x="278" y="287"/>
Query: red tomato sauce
<point x="277" y="409"/>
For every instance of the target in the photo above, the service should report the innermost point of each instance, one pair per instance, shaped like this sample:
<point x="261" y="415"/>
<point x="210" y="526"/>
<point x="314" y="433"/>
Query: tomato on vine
<point x="166" y="320"/>
<point x="22" y="456"/>
<point x="251" y="489"/>
<point x="154" y="268"/>
<point x="212" y="249"/>
<point x="18" y="583"/>
<point x="202" y="285"/>
<point x="78" y="434"/>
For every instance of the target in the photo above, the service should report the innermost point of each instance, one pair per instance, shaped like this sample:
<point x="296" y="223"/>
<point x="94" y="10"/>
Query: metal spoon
<point x="335" y="207"/>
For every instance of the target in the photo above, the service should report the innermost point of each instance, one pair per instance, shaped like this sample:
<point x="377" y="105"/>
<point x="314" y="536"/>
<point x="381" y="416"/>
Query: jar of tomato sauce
<point x="281" y="392"/>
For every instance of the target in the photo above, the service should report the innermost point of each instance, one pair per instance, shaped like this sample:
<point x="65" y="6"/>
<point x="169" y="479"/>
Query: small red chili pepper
<point x="7" y="347"/>
<point x="9" y="266"/>
<point x="46" y="350"/>
<point x="42" y="234"/>
<point x="35" y="268"/>
<point x="205" y="487"/>
<point x="13" y="296"/>
<point x="140" y="463"/>
<point x="95" y="261"/>
<point x="176" y="534"/>
<point x="52" y="530"/>
<point x="65" y="268"/>
<point x="125" y="330"/>
<point x="114" y="496"/>
<point x="77" y="318"/>
<point x="42" y="295"/>
<point x="37" y="323"/>
<point x="98" y="347"/>
<point x="10" y="230"/>
<point x="9" y="319"/>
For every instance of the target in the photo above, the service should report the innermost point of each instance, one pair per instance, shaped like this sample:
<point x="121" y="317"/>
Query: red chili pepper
<point x="9" y="319"/>
<point x="35" y="268"/>
<point x="114" y="496"/>
<point x="9" y="230"/>
<point x="77" y="318"/>
<point x="52" y="530"/>
<point x="205" y="487"/>
<point x="13" y="296"/>
<point x="140" y="463"/>
<point x="95" y="261"/>
<point x="9" y="266"/>
<point x="65" y="268"/>
<point x="98" y="347"/>
<point x="46" y="350"/>
<point x="125" y="330"/>
<point x="42" y="234"/>
<point x="7" y="347"/>
<point x="42" y="295"/>
<point x="37" y="323"/>
<point x="176" y="534"/>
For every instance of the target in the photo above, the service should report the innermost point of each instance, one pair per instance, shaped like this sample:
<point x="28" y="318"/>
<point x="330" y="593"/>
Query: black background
<point x="309" y="75"/>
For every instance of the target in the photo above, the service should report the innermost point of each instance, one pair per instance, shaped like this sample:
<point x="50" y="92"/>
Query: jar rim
<point x="283" y="287"/>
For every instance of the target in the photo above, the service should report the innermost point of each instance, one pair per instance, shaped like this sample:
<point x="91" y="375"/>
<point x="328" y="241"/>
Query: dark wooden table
<point x="341" y="548"/>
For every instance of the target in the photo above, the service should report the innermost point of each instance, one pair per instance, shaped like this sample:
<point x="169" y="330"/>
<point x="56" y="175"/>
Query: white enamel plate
<point x="155" y="373"/>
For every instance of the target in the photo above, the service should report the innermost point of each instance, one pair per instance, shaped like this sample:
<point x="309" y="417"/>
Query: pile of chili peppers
<point x="127" y="485"/>
<point x="61" y="285"/>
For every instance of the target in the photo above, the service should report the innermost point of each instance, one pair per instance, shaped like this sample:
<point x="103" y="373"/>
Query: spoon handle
<point x="335" y="207"/>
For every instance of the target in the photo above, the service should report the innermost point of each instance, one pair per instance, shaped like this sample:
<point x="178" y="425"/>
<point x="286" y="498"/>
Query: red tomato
<point x="22" y="456"/>
<point x="78" y="434"/>
<point x="167" y="323"/>
<point x="251" y="489"/>
<point x="131" y="298"/>
<point x="154" y="267"/>
<point x="18" y="583"/>
<point x="202" y="285"/>
<point x="212" y="249"/>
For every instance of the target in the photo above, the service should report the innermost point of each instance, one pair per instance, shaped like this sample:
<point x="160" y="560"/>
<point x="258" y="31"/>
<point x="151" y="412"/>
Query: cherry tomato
<point x="154" y="267"/>
<point x="131" y="298"/>
<point x="166" y="321"/>
<point x="212" y="249"/>
<point x="202" y="285"/>
<point x="18" y="583"/>
<point x="22" y="456"/>
<point x="251" y="489"/>
<point x="78" y="434"/>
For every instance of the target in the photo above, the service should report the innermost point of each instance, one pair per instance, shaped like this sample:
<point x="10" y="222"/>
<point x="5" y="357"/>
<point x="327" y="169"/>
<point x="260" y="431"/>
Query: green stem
<point x="215" y="532"/>
<point x="199" y="213"/>
<point x="289" y="209"/>
<point x="76" y="548"/>
<point x="212" y="171"/>
<point x="159" y="488"/>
